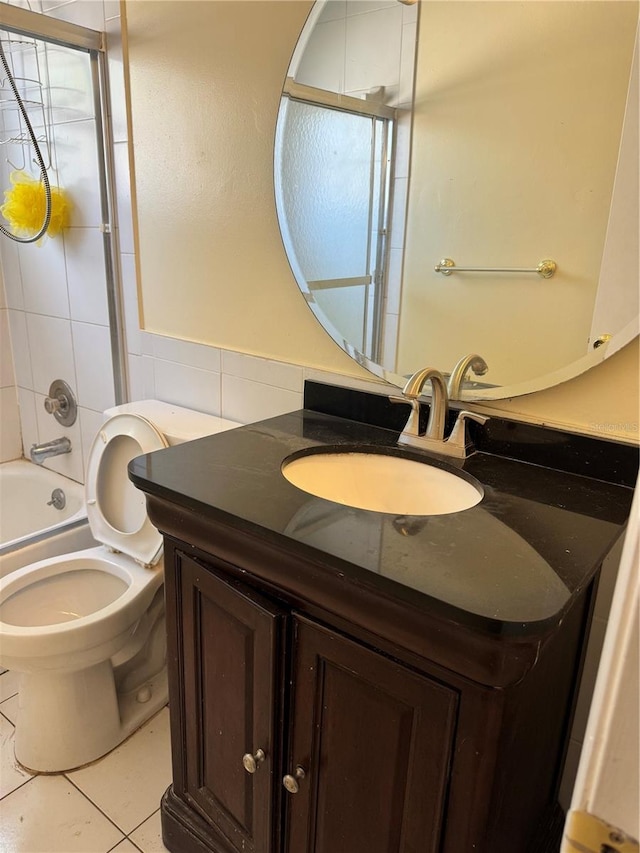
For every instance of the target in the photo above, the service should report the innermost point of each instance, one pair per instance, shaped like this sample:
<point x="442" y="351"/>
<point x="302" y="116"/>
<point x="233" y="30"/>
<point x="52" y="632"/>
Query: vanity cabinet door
<point x="231" y="650"/>
<point x="374" y="742"/>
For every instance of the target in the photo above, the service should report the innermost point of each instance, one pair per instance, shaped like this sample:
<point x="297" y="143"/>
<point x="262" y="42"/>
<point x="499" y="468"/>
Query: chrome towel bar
<point x="545" y="268"/>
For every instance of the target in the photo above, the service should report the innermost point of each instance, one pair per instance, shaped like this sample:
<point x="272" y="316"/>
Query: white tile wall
<point x="403" y="145"/>
<point x="187" y="386"/>
<point x="363" y="7"/>
<point x="11" y="274"/>
<point x="94" y="367"/>
<point x="407" y="63"/>
<point x="182" y="352"/>
<point x="90" y="422"/>
<point x="394" y="288"/>
<point x="400" y="188"/>
<point x="365" y="63"/>
<point x="10" y="442"/>
<point x="20" y="348"/>
<point x="265" y="371"/>
<point x="323" y="61"/>
<point x="86" y="13"/>
<point x="336" y="9"/>
<point x="44" y="263"/>
<point x="51" y="351"/>
<point x="245" y="401"/>
<point x="111" y="9"/>
<point x="7" y="376"/>
<point x="28" y="418"/>
<point x="77" y="156"/>
<point x="86" y="279"/>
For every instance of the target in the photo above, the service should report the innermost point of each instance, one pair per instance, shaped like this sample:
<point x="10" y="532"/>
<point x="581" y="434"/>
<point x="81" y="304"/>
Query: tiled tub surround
<point x="508" y="571"/>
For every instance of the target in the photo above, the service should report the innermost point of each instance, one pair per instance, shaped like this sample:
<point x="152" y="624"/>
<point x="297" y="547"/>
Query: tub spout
<point x="40" y="452"/>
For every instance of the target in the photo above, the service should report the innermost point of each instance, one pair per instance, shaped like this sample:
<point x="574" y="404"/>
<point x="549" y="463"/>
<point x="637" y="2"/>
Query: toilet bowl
<point x="85" y="630"/>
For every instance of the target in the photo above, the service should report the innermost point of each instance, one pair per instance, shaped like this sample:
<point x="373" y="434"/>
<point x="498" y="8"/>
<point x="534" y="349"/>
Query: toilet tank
<point x="176" y="423"/>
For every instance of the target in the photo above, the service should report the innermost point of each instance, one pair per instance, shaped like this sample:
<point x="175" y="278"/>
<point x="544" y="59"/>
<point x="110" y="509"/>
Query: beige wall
<point x="206" y="79"/>
<point x="205" y="84"/>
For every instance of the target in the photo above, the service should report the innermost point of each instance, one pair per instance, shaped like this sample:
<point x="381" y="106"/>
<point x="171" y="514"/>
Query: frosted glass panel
<point x="347" y="303"/>
<point x="326" y="180"/>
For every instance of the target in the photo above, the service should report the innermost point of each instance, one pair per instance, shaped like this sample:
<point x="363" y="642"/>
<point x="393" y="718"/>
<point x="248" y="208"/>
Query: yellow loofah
<point x="25" y="206"/>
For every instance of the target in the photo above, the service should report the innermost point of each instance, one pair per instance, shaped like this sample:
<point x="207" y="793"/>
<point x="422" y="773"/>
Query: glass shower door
<point x="334" y="197"/>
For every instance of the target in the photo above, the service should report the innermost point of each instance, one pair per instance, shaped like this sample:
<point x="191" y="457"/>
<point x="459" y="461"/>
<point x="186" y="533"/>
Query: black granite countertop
<point x="511" y="564"/>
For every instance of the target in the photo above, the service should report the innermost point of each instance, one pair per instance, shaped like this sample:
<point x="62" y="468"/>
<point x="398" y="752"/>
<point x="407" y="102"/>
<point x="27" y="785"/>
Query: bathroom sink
<point x="382" y="483"/>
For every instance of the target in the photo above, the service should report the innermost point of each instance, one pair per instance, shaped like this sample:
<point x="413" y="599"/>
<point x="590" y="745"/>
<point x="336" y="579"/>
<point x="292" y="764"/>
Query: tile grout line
<point x="102" y="812"/>
<point x="21" y="785"/>
<point x="2" y="713"/>
<point x="136" y="828"/>
<point x="126" y="838"/>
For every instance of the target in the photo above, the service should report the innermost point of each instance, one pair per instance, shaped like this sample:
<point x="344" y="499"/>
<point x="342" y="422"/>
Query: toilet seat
<point x="115" y="508"/>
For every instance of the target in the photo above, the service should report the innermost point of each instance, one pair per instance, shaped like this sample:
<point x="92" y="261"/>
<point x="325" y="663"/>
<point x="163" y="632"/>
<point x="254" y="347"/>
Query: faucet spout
<point x="473" y="362"/>
<point x="439" y="399"/>
<point x="40" y="452"/>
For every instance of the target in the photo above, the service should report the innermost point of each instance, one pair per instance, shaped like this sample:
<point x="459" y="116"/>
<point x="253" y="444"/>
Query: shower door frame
<point x="387" y="116"/>
<point x="19" y="21"/>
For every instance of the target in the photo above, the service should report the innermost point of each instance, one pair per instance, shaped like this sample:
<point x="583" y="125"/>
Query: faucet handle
<point x="61" y="403"/>
<point x="412" y="426"/>
<point x="458" y="437"/>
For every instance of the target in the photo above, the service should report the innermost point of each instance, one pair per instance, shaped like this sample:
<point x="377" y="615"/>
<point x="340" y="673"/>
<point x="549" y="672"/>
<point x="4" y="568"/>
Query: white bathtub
<point x="30" y="529"/>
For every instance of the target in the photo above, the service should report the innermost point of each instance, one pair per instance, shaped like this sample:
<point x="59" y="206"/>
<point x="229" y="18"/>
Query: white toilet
<point x="86" y="630"/>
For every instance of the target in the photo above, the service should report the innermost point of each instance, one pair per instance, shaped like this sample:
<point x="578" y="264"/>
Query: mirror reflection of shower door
<point x="335" y="195"/>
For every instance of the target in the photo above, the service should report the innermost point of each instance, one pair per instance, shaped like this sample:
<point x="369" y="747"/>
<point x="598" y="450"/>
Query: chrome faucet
<point x="473" y="362"/>
<point x="433" y="438"/>
<point x="40" y="452"/>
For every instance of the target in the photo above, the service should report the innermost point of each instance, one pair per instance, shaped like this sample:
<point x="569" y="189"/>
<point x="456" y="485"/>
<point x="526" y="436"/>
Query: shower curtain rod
<point x="24" y="22"/>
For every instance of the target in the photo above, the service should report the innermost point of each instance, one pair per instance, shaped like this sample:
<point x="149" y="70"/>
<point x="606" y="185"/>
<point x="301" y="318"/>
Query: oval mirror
<point x="456" y="178"/>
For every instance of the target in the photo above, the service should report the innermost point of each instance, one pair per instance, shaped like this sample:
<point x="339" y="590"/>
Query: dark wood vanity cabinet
<point x="357" y="744"/>
<point x="364" y="745"/>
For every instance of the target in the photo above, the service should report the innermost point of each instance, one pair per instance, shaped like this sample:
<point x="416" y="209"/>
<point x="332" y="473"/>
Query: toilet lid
<point x="116" y="509"/>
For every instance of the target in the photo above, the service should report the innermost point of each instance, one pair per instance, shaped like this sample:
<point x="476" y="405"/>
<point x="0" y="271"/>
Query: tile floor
<point x="111" y="805"/>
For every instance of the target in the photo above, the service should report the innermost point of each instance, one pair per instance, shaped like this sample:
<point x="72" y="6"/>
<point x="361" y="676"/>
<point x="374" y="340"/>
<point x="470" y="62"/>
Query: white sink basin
<point x="382" y="483"/>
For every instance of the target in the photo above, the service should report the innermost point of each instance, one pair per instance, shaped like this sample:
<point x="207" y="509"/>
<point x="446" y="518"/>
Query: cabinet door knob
<point x="252" y="762"/>
<point x="291" y="782"/>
